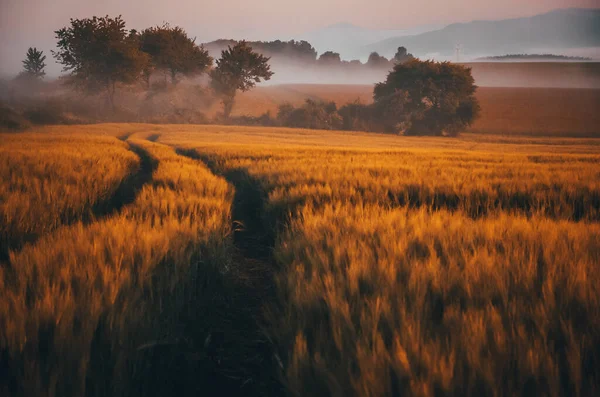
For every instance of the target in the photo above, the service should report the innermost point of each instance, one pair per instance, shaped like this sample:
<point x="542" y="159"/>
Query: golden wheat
<point x="116" y="284"/>
<point x="52" y="179"/>
<point x="417" y="266"/>
<point x="386" y="302"/>
<point x="490" y="287"/>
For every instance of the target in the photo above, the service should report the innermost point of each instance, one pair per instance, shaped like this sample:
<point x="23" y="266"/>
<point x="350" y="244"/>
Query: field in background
<point x="505" y="111"/>
<point x="486" y="74"/>
<point x="536" y="74"/>
<point x="269" y="261"/>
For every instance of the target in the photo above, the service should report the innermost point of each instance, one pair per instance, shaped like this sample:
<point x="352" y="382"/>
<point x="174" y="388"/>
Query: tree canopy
<point x="377" y="60"/>
<point x="99" y="53"/>
<point x="426" y="97"/>
<point x="402" y="55"/>
<point x="330" y="57"/>
<point x="171" y="50"/>
<point x="239" y="68"/>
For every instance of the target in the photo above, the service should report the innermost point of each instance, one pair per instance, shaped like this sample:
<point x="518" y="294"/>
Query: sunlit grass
<point x="386" y="302"/>
<point x="115" y="285"/>
<point x="47" y="180"/>
<point x="404" y="266"/>
<point x="429" y="270"/>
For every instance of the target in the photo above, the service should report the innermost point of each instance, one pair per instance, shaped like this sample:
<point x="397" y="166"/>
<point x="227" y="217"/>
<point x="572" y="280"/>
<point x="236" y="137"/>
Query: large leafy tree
<point x="33" y="65"/>
<point x="172" y="51"/>
<point x="100" y="54"/>
<point x="427" y="98"/>
<point x="239" y="68"/>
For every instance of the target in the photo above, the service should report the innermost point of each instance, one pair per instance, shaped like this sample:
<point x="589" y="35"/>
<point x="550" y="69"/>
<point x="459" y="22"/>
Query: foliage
<point x="428" y="98"/>
<point x="313" y="114"/>
<point x="295" y="50"/>
<point x="99" y="54"/>
<point x="33" y="65"/>
<point x="330" y="58"/>
<point x="239" y="68"/>
<point x="376" y="60"/>
<point x="45" y="112"/>
<point x="402" y="55"/>
<point x="171" y="50"/>
<point x="358" y="116"/>
<point x="11" y="119"/>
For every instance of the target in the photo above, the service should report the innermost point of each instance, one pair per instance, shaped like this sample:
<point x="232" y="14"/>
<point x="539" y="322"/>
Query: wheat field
<point x="272" y="261"/>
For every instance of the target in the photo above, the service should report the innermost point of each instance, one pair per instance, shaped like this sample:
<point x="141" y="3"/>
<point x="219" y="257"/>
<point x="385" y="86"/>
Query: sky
<point x="31" y="23"/>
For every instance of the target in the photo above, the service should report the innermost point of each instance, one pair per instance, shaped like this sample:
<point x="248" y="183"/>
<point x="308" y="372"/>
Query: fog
<point x="345" y="26"/>
<point x="486" y="74"/>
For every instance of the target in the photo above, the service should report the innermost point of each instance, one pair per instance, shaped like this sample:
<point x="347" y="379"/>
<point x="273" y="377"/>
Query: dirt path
<point x="128" y="189"/>
<point x="254" y="365"/>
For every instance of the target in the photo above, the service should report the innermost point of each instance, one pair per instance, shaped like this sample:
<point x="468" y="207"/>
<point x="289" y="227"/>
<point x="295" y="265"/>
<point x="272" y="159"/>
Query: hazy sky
<point x="25" y="23"/>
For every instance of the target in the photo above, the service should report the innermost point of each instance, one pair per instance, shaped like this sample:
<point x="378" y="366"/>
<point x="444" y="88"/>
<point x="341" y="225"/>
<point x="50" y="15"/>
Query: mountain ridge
<point x="565" y="28"/>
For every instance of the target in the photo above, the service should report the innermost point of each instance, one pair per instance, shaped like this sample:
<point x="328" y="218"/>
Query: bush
<point x="357" y="116"/>
<point x="45" y="112"/>
<point x="264" y="119"/>
<point x="11" y="120"/>
<point x="313" y="114"/>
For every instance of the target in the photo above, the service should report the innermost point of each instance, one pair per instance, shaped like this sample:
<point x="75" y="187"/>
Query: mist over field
<point x="486" y="74"/>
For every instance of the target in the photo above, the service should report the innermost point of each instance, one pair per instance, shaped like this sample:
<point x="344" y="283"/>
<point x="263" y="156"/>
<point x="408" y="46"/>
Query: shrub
<point x="11" y="120"/>
<point x="313" y="114"/>
<point x="357" y="116"/>
<point x="45" y="112"/>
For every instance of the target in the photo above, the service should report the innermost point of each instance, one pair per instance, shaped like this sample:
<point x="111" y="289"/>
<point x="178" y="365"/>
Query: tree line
<point x="303" y="51"/>
<point x="100" y="54"/>
<point x="417" y="97"/>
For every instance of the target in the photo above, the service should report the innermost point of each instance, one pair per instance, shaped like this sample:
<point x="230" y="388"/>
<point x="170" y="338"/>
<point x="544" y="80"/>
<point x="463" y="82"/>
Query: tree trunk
<point x="228" y="102"/>
<point x="110" y="90"/>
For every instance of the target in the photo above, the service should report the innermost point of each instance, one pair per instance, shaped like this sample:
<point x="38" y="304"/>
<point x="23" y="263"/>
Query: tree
<point x="330" y="58"/>
<point x="402" y="55"/>
<point x="426" y="97"/>
<point x="99" y="54"/>
<point x="172" y="51"/>
<point x="33" y="65"/>
<point x="239" y="68"/>
<point x="377" y="60"/>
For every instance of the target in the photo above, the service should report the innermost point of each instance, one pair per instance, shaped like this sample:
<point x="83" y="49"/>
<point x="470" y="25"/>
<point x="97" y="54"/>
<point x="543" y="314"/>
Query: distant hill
<point x="533" y="57"/>
<point x="559" y="29"/>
